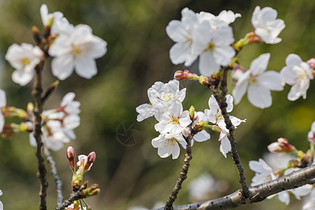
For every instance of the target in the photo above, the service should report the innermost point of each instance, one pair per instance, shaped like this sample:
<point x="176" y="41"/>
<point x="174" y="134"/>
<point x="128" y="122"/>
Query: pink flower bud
<point x="185" y="75"/>
<point x="71" y="155"/>
<point x="282" y="145"/>
<point x="311" y="63"/>
<point x="91" y="157"/>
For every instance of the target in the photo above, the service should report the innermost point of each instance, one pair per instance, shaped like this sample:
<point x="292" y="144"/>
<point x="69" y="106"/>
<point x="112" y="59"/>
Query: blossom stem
<point x="56" y="176"/>
<point x="183" y="175"/>
<point x="223" y="105"/>
<point x="37" y="92"/>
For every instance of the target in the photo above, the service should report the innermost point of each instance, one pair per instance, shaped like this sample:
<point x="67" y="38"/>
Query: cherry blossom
<point x="181" y="32"/>
<point x="214" y="46"/>
<point x="60" y="24"/>
<point x="3" y="103"/>
<point x="174" y="120"/>
<point x="214" y="115"/>
<point x="23" y="58"/>
<point x="297" y="74"/>
<point x="167" y="144"/>
<point x="258" y="83"/>
<point x="267" y="27"/>
<point x="161" y="96"/>
<point x="76" y="51"/>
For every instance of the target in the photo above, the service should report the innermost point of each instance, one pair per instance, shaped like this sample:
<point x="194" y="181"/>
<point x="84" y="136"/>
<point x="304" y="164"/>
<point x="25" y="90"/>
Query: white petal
<point x="271" y="80"/>
<point x="202" y="136"/>
<point x="259" y="96"/>
<point x="284" y="197"/>
<point x="207" y="64"/>
<point x="225" y="146"/>
<point x="293" y="60"/>
<point x="239" y="90"/>
<point x="85" y="67"/>
<point x="223" y="54"/>
<point x="1" y="121"/>
<point x="259" y="65"/>
<point x="62" y="67"/>
<point x="176" y="31"/>
<point x="229" y="101"/>
<point x="22" y="77"/>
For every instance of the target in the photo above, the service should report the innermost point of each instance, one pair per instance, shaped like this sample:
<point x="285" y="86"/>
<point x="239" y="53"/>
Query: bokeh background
<point x="128" y="169"/>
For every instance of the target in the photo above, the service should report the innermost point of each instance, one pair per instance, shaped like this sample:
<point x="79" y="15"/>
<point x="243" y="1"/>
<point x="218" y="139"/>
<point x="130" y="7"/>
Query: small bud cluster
<point x="79" y="169"/>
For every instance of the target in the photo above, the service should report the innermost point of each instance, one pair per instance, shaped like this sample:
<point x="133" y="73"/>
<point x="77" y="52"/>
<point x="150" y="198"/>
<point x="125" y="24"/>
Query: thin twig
<point x="257" y="193"/>
<point x="183" y="175"/>
<point x="223" y="105"/>
<point x="36" y="92"/>
<point x="56" y="176"/>
<point x="73" y="197"/>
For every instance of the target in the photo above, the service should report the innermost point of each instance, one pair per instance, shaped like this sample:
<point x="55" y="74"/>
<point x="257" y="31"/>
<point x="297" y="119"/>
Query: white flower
<point x="167" y="144"/>
<point x="215" y="116"/>
<point x="69" y="105"/>
<point x="3" y="103"/>
<point x="174" y="120"/>
<point x="267" y="27"/>
<point x="76" y="51"/>
<point x="161" y="96"/>
<point x="201" y="187"/>
<point x="311" y="134"/>
<point x="23" y="58"/>
<point x="60" y="24"/>
<point x="181" y="32"/>
<point x="214" y="46"/>
<point x="223" y="19"/>
<point x="297" y="74"/>
<point x="258" y="82"/>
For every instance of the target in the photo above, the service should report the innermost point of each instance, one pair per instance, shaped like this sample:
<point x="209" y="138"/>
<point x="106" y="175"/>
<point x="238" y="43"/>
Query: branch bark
<point x="73" y="197"/>
<point x="257" y="193"/>
<point x="37" y="92"/>
<point x="183" y="175"/>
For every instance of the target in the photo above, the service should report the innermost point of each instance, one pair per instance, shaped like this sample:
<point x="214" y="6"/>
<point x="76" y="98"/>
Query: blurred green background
<point x="128" y="169"/>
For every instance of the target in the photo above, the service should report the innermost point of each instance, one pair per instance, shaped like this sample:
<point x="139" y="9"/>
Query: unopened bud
<point x="92" y="190"/>
<point x="36" y="35"/>
<point x="192" y="112"/>
<point x="311" y="63"/>
<point x="282" y="145"/>
<point x="90" y="160"/>
<point x="71" y="155"/>
<point x="185" y="75"/>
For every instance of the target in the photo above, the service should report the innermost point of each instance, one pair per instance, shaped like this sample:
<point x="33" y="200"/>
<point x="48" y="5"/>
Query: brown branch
<point x="36" y="92"/>
<point x="257" y="193"/>
<point x="223" y="105"/>
<point x="56" y="176"/>
<point x="73" y="197"/>
<point x="183" y="175"/>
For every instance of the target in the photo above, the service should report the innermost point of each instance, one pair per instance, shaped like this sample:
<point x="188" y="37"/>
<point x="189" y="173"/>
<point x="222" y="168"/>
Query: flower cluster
<point x="73" y="47"/>
<point x="175" y="124"/>
<point x="58" y="124"/>
<point x="210" y="37"/>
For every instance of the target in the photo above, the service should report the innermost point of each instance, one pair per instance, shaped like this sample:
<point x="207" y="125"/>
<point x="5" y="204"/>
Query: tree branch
<point x="183" y="175"/>
<point x="258" y="193"/>
<point x="73" y="197"/>
<point x="36" y="92"/>
<point x="56" y="176"/>
<point x="223" y="105"/>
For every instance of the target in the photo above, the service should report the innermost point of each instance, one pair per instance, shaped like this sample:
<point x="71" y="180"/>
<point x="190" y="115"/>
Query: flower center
<point x="174" y="120"/>
<point x="210" y="46"/>
<point x="166" y="96"/>
<point x="25" y="61"/>
<point x="76" y="50"/>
